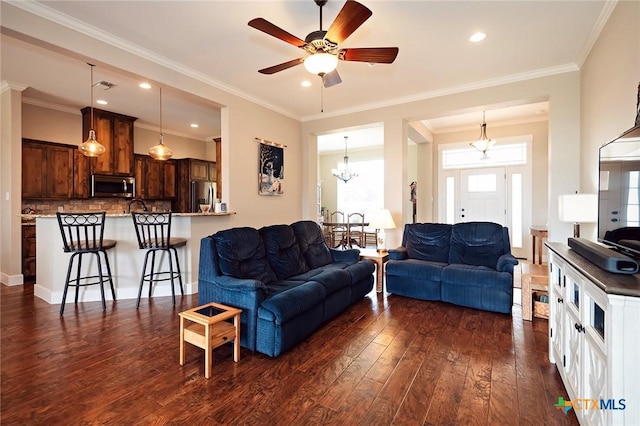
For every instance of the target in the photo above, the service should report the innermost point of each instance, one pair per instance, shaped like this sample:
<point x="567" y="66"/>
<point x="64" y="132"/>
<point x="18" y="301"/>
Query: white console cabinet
<point x="594" y="338"/>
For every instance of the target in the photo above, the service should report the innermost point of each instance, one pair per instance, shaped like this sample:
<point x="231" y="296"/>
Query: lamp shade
<point x="578" y="208"/>
<point x="382" y="219"/>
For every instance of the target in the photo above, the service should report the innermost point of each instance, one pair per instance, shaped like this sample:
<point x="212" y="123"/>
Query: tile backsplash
<point x="110" y="205"/>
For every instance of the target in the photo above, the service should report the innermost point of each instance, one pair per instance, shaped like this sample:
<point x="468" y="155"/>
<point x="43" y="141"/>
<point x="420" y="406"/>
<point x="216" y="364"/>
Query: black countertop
<point x="620" y="284"/>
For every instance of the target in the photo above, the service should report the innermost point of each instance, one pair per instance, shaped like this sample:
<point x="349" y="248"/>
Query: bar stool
<point x="154" y="234"/>
<point x="82" y="233"/>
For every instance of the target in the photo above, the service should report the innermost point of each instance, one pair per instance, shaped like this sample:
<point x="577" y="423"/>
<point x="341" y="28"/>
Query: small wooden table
<point x="205" y="327"/>
<point x="380" y="258"/>
<point x="541" y="232"/>
<point x="534" y="277"/>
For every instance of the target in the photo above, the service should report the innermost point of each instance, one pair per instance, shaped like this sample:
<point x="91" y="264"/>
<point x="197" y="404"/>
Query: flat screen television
<point x="619" y="194"/>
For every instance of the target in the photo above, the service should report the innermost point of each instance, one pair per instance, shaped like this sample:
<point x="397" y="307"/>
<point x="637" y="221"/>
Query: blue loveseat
<point x="285" y="278"/>
<point x="468" y="264"/>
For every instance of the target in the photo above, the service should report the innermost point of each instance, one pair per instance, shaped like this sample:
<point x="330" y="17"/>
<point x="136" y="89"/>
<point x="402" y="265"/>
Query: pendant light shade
<point x="483" y="144"/>
<point x="91" y="147"/>
<point x="343" y="173"/>
<point x="160" y="151"/>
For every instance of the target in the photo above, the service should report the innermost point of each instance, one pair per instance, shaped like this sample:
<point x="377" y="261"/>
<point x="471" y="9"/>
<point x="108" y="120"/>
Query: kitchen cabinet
<point x="188" y="170"/>
<point x="29" y="251"/>
<point x="115" y="132"/>
<point x="81" y="174"/>
<point x="591" y="339"/>
<point x="155" y="179"/>
<point x="47" y="170"/>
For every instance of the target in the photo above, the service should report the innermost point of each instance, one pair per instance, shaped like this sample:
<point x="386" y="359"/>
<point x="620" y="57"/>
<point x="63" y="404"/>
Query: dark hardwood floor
<point x="387" y="360"/>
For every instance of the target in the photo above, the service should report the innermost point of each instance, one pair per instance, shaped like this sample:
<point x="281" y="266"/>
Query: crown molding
<point x="10" y="85"/>
<point x="52" y="15"/>
<point x="513" y="78"/>
<point x="604" y="16"/>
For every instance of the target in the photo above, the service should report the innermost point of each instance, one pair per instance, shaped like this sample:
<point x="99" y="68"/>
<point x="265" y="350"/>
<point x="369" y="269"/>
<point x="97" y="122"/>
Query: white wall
<point x="608" y="88"/>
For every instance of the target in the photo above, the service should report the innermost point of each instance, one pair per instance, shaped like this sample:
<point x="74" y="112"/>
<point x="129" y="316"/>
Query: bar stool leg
<point x="78" y="275"/>
<point x="66" y="284"/>
<point x="175" y="252"/>
<point x="106" y="261"/>
<point x="153" y="268"/>
<point x="101" y="280"/>
<point x="172" y="276"/>
<point x="144" y="271"/>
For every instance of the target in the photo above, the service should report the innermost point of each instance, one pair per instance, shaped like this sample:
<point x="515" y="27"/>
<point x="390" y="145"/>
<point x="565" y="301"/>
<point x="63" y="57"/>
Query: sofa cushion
<point x="427" y="241"/>
<point x="418" y="269"/>
<point x="242" y="254"/>
<point x="283" y="251"/>
<point x="477" y="243"/>
<point x="312" y="245"/>
<point x="293" y="302"/>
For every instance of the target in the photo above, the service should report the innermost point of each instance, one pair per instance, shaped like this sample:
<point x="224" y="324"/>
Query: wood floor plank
<point x="386" y="360"/>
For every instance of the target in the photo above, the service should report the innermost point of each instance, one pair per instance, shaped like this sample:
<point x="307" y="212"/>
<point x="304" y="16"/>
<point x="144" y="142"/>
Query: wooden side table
<point x="380" y="258"/>
<point x="534" y="277"/>
<point x="541" y="232"/>
<point x="205" y="327"/>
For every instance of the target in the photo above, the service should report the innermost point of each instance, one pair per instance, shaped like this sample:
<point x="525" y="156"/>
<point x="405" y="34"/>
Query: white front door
<point x="482" y="196"/>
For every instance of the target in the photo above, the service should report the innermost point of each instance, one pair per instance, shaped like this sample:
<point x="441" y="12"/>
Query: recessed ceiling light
<point x="101" y="102"/>
<point x="145" y="85"/>
<point x="305" y="83"/>
<point x="477" y="37"/>
<point x="194" y="125"/>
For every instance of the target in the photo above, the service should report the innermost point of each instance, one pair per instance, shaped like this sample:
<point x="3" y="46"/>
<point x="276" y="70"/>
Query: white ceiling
<point x="211" y="39"/>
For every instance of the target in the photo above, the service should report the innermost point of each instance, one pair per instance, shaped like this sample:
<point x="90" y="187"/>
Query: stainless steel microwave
<point x="113" y="186"/>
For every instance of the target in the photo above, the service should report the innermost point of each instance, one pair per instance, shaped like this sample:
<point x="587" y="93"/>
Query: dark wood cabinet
<point x="81" y="173"/>
<point x="47" y="170"/>
<point x="115" y="132"/>
<point x="29" y="251"/>
<point x="187" y="170"/>
<point x="155" y="180"/>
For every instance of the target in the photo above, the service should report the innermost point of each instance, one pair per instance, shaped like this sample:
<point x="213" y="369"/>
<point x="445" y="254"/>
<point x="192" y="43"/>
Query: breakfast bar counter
<point x="126" y="258"/>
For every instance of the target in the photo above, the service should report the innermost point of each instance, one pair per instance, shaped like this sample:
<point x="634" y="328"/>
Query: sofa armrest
<point x="349" y="255"/>
<point x="399" y="253"/>
<point x="238" y="284"/>
<point x="506" y="263"/>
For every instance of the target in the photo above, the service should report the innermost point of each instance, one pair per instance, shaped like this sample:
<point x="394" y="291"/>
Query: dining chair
<point x="356" y="229"/>
<point x="82" y="233"/>
<point x="154" y="234"/>
<point x="338" y="230"/>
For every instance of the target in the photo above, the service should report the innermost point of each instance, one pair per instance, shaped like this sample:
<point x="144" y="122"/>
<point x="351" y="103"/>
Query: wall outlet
<point x="60" y="209"/>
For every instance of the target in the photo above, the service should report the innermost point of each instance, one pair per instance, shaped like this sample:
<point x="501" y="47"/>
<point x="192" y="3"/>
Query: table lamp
<point x="578" y="208"/>
<point x="380" y="221"/>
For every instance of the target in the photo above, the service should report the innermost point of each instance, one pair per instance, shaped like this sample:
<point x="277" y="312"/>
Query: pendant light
<point x="160" y="151"/>
<point x="344" y="174"/>
<point x="91" y="147"/>
<point x="483" y="144"/>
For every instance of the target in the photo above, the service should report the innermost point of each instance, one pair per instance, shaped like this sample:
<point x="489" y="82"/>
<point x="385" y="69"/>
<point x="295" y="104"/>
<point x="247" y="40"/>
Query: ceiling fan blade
<point x="281" y="67"/>
<point x="331" y="79"/>
<point x="352" y="15"/>
<point x="273" y="30"/>
<point x="377" y="55"/>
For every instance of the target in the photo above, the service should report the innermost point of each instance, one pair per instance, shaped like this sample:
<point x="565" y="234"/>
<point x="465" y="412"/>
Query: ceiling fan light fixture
<point x="91" y="147"/>
<point x="321" y="63"/>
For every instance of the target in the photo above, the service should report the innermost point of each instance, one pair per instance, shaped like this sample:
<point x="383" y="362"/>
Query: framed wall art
<point x="270" y="168"/>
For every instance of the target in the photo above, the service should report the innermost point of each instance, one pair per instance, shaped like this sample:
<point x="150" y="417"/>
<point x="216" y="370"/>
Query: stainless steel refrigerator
<point x="202" y="192"/>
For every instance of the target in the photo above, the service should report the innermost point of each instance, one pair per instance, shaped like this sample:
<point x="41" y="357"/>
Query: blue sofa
<point x="468" y="264"/>
<point x="285" y="278"/>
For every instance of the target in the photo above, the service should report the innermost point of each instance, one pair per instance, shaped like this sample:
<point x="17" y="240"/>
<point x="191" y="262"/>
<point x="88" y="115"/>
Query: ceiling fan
<point x="322" y="46"/>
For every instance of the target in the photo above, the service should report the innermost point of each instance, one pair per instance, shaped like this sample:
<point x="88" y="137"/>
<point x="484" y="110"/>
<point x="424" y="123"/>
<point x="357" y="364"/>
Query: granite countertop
<point x="30" y="218"/>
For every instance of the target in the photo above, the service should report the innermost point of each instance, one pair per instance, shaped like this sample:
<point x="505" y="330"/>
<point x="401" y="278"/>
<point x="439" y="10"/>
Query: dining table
<point x="346" y="240"/>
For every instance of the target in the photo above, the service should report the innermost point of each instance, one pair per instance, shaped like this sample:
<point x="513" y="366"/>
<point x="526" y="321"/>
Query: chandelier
<point x="483" y="144"/>
<point x="343" y="173"/>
